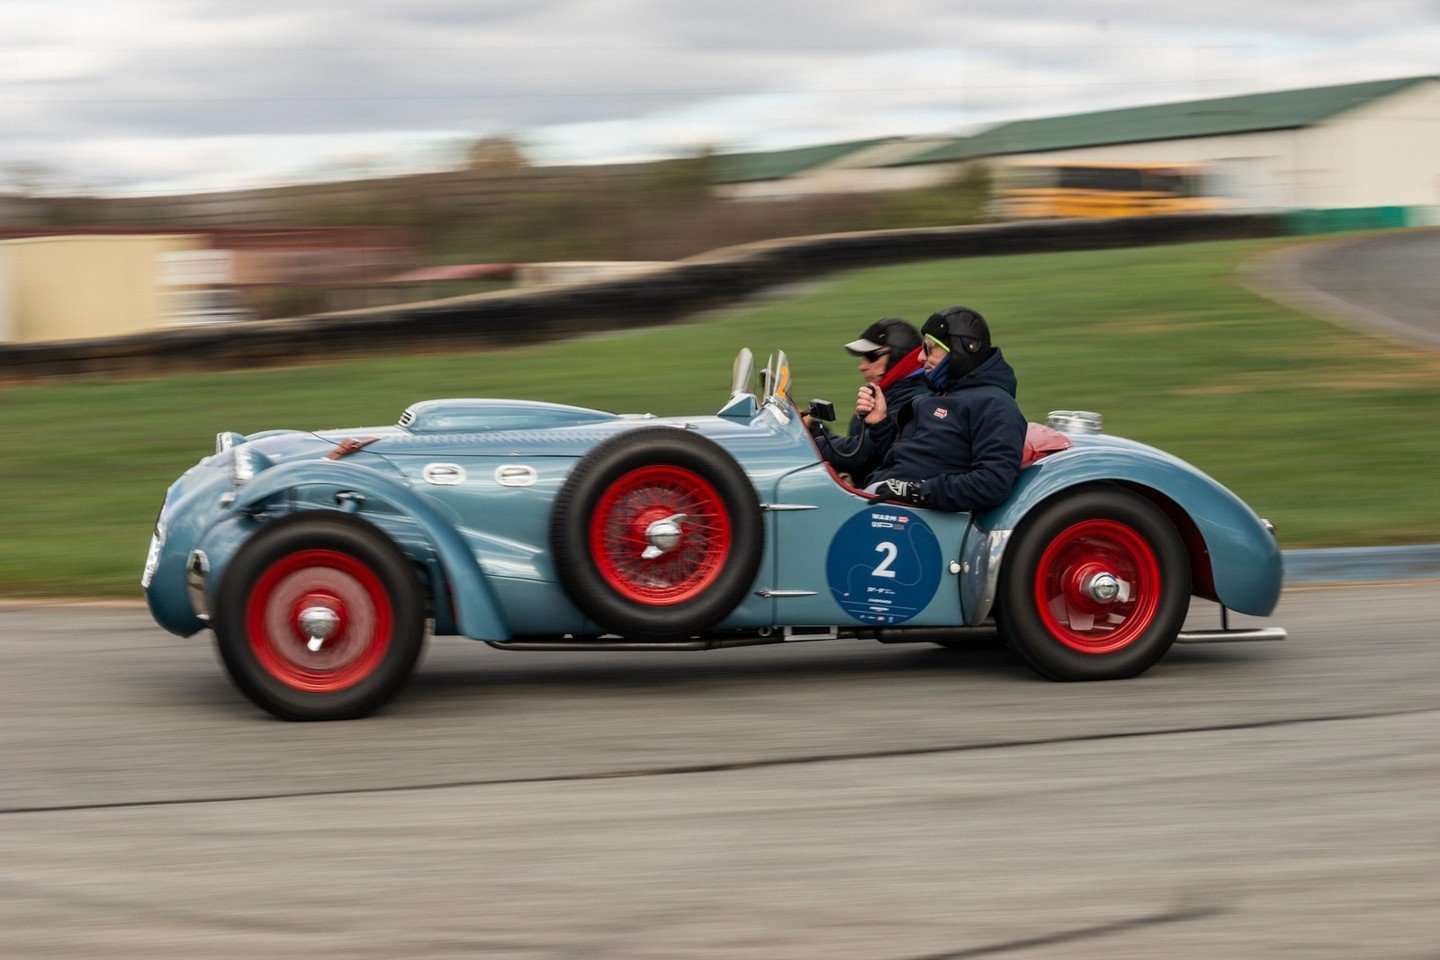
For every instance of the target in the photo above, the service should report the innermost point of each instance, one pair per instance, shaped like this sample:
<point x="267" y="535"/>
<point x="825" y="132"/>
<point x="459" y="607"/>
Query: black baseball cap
<point x="888" y="333"/>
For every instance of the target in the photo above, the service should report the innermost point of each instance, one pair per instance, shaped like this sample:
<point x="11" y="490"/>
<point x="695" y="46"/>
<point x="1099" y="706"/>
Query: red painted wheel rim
<point x="323" y="578"/>
<point x="624" y="514"/>
<point x="1068" y="610"/>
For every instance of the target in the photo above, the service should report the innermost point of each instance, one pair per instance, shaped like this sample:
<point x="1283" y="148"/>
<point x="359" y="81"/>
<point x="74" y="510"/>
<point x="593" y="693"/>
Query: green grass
<point x="1327" y="433"/>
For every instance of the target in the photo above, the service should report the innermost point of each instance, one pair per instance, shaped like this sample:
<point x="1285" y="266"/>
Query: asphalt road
<point x="840" y="800"/>
<point x="1388" y="283"/>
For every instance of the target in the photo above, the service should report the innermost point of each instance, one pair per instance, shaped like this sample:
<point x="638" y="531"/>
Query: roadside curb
<point x="1361" y="564"/>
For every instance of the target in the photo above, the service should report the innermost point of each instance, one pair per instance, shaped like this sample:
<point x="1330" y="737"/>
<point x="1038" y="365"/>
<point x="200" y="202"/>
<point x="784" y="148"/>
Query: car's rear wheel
<point x="319" y="617"/>
<point x="1095" y="586"/>
<point x="657" y="534"/>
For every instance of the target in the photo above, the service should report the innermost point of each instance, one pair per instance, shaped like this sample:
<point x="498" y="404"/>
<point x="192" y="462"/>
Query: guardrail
<point x="558" y="311"/>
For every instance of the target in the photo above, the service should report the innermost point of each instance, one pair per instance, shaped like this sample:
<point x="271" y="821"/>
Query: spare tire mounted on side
<point x="657" y="534"/>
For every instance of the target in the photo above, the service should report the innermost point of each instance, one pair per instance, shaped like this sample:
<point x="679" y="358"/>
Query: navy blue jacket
<point x="964" y="444"/>
<point x="840" y="450"/>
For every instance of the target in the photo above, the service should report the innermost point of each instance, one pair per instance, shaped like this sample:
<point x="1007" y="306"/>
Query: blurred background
<point x="1212" y="223"/>
<point x="294" y="164"/>
<point x="181" y="182"/>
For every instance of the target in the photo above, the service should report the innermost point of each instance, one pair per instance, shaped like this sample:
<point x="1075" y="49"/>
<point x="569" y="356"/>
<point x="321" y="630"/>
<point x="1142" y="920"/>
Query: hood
<point x="485" y="427"/>
<point x="485" y="416"/>
<point x="994" y="372"/>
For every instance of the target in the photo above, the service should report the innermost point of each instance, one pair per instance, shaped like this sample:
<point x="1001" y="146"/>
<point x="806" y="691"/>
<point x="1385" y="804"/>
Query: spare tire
<point x="657" y="534"/>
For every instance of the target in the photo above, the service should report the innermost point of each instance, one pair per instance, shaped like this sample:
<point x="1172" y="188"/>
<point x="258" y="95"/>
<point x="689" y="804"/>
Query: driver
<point x="958" y="448"/>
<point x="892" y="362"/>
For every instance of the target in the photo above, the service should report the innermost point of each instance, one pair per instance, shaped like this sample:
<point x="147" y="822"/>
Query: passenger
<point x="958" y="448"/>
<point x="890" y="360"/>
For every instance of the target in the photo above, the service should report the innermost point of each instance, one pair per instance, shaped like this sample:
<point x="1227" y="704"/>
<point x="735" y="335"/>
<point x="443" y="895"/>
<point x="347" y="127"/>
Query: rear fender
<point x="1230" y="549"/>
<point x="476" y="612"/>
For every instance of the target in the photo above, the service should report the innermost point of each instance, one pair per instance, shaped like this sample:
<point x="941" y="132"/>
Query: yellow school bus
<point x="1032" y="190"/>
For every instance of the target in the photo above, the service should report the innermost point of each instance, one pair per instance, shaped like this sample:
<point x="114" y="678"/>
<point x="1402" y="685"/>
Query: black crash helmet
<point x="967" y="335"/>
<point x="893" y="334"/>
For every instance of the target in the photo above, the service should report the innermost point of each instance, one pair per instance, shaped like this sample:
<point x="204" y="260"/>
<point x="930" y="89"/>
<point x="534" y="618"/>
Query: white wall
<point x="826" y="182"/>
<point x="9" y="326"/>
<point x="1384" y="153"/>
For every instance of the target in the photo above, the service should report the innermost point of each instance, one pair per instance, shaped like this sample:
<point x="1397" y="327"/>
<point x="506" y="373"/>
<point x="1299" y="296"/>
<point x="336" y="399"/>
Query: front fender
<point x="1244" y="556"/>
<point x="477" y="614"/>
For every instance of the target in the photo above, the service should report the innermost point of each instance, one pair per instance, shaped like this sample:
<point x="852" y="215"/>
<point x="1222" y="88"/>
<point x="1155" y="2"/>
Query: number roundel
<point x="884" y="565"/>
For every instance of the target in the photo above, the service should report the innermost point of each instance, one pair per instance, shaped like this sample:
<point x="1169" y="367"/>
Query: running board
<point x="1231" y="636"/>
<point x="759" y="638"/>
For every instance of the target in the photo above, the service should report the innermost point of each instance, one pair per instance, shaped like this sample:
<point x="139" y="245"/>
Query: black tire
<point x="1049" y="581"/>
<point x="337" y="562"/>
<point x="615" y="493"/>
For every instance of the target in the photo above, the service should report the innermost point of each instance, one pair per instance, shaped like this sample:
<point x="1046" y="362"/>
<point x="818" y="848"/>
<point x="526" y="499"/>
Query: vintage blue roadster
<point x="318" y="559"/>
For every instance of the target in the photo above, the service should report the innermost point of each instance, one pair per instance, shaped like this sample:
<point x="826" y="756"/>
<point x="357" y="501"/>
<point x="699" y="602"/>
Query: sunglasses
<point x="873" y="355"/>
<point x="930" y="343"/>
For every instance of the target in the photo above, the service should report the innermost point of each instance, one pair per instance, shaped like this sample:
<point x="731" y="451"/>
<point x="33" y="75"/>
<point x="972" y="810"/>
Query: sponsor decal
<point x="941" y="413"/>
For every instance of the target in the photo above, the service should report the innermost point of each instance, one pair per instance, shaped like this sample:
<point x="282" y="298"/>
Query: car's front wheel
<point x="1095" y="586"/>
<point x="319" y="617"/>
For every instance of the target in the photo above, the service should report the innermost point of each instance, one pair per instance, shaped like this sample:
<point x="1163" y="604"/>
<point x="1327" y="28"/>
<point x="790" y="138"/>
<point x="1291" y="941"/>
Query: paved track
<point x="827" y="801"/>
<point x="1388" y="283"/>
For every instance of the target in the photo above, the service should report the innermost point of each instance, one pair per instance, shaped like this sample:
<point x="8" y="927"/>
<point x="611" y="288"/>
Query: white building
<point x="1355" y="145"/>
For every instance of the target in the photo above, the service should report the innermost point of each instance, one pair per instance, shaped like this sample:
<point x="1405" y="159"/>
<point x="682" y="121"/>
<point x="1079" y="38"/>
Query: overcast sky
<point x="140" y="95"/>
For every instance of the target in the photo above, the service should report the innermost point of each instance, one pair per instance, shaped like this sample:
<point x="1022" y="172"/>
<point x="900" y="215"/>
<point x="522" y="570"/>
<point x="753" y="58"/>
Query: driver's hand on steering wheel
<point x="870" y="404"/>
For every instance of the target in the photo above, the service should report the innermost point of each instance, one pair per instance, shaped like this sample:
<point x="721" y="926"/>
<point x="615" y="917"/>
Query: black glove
<point x="903" y="491"/>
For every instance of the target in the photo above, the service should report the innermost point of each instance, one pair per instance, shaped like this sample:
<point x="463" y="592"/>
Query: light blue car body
<point x="433" y="485"/>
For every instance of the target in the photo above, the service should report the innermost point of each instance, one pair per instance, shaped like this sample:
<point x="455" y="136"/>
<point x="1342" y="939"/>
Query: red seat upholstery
<point x="1041" y="441"/>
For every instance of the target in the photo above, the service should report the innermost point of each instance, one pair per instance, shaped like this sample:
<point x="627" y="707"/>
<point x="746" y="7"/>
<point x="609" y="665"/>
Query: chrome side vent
<point x="408" y="417"/>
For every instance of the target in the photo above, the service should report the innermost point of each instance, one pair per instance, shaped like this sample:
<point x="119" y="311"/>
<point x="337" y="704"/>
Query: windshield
<point x="777" y="377"/>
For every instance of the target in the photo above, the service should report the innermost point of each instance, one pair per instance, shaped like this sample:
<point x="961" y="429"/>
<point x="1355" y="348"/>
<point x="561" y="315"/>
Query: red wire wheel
<point x="1113" y="556"/>
<point x="629" y="570"/>
<point x="319" y="616"/>
<point x="1095" y="585"/>
<point x="648" y="496"/>
<point x="319" y="580"/>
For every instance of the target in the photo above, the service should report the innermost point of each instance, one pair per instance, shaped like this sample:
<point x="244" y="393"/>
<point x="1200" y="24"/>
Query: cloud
<point x="288" y="85"/>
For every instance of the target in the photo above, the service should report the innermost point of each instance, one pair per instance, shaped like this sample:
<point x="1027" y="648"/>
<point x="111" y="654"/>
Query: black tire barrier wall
<point x="559" y="311"/>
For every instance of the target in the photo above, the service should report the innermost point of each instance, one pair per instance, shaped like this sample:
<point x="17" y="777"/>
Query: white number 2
<point x="890" y="551"/>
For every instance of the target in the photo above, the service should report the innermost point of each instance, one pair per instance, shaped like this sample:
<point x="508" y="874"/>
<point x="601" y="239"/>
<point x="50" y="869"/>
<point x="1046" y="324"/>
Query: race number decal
<point x="884" y="565"/>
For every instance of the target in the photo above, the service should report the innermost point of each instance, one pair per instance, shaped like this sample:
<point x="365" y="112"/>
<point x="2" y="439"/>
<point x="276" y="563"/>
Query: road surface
<point x="840" y="800"/>
<point x="1386" y="283"/>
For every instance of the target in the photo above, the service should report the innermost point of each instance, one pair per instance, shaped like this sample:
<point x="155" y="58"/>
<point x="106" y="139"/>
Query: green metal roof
<point x="778" y="164"/>
<point x="1282" y="110"/>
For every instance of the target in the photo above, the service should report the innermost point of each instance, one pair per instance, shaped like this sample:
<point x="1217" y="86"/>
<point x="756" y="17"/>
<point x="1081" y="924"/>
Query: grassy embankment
<point x="1333" y="442"/>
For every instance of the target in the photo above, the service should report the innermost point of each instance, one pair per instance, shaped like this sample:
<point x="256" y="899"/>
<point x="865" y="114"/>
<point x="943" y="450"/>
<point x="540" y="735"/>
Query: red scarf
<point x="908" y="364"/>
